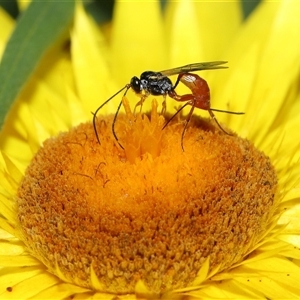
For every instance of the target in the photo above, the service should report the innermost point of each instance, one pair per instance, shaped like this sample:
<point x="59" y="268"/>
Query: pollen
<point x="105" y="216"/>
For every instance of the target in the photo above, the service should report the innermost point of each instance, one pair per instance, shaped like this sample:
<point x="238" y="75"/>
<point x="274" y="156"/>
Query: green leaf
<point x="38" y="28"/>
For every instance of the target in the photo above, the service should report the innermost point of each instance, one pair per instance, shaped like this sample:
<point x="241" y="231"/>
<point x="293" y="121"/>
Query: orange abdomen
<point x="199" y="89"/>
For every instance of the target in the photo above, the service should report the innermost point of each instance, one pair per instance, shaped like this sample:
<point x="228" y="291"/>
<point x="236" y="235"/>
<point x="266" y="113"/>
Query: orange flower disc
<point x="151" y="212"/>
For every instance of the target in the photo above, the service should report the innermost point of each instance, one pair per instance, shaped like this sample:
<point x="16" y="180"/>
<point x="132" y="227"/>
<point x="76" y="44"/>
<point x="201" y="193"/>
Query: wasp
<point x="159" y="84"/>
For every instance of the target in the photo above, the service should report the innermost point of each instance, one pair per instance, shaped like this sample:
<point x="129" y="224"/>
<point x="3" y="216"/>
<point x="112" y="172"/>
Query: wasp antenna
<point x="114" y="121"/>
<point x="227" y="111"/>
<point x="177" y="112"/>
<point x="127" y="86"/>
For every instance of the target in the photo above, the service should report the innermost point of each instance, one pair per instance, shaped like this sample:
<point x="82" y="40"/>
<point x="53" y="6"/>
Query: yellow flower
<point x="262" y="81"/>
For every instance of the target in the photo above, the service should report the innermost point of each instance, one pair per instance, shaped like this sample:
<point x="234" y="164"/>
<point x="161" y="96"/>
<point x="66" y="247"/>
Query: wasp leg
<point x="140" y="103"/>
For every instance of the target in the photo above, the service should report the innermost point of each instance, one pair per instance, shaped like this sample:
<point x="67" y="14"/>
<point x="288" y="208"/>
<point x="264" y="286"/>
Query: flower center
<point x="105" y="218"/>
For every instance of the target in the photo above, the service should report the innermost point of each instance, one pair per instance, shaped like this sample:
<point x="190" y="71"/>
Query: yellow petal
<point x="275" y="277"/>
<point x="12" y="171"/>
<point x="186" y="45"/>
<point x="217" y="31"/>
<point x="200" y="31"/>
<point x="268" y="48"/>
<point x="89" y="57"/>
<point x="44" y="96"/>
<point x="7" y="208"/>
<point x="11" y="246"/>
<point x="77" y="112"/>
<point x="64" y="291"/>
<point x="279" y="66"/>
<point x="18" y="261"/>
<point x="138" y="43"/>
<point x="37" y="283"/>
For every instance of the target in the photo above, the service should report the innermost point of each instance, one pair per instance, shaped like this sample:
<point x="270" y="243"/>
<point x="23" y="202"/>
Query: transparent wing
<point x="195" y="67"/>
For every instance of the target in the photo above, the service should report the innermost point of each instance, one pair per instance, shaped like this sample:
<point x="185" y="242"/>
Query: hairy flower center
<point x="105" y="218"/>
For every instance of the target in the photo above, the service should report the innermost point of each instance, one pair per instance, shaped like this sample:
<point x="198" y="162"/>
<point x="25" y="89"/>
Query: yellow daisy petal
<point x="137" y="39"/>
<point x="13" y="276"/>
<point x="89" y="56"/>
<point x="275" y="63"/>
<point x="185" y="40"/>
<point x="13" y="174"/>
<point x="18" y="261"/>
<point x="11" y="246"/>
<point x="243" y="57"/>
<point x="200" y="31"/>
<point x="63" y="291"/>
<point x="19" y="290"/>
<point x="216" y="31"/>
<point x="257" y="63"/>
<point x="46" y="87"/>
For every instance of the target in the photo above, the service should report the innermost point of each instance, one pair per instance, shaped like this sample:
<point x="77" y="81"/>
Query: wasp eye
<point x="136" y="85"/>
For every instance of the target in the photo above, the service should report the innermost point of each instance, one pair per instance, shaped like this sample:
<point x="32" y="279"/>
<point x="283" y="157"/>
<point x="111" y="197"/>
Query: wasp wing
<point x="195" y="67"/>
